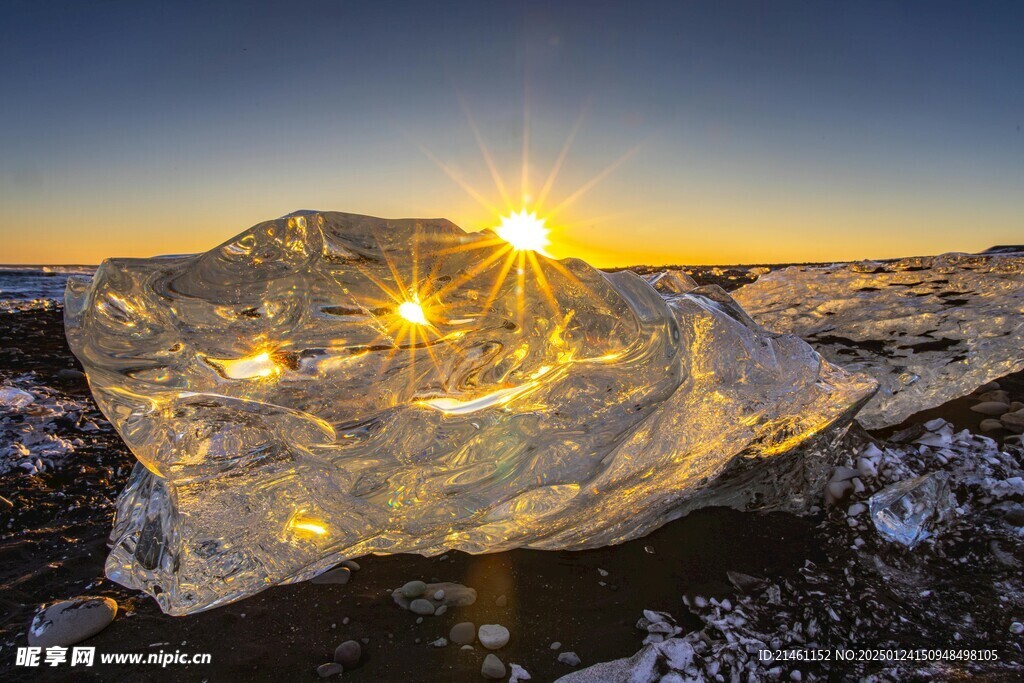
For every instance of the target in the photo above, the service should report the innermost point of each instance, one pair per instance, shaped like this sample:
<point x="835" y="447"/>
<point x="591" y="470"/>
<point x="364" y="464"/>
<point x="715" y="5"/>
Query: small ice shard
<point x="908" y="511"/>
<point x="326" y="385"/>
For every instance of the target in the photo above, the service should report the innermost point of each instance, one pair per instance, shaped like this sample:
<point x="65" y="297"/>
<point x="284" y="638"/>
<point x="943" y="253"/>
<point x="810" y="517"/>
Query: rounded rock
<point x="493" y="668"/>
<point x="413" y="589"/>
<point x="990" y="425"/>
<point x="493" y="636"/>
<point x="463" y="634"/>
<point x="329" y="670"/>
<point x="990" y="408"/>
<point x="421" y="606"/>
<point x="570" y="658"/>
<point x="997" y="395"/>
<point x="1016" y="628"/>
<point x="1015" y="517"/>
<point x="348" y="654"/>
<point x="71" y="621"/>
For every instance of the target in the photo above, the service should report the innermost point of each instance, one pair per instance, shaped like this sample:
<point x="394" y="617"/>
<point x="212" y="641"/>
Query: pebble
<point x="440" y="610"/>
<point x="329" y="670"/>
<point x="988" y="386"/>
<point x="493" y="668"/>
<point x="440" y="642"/>
<point x="501" y="601"/>
<point x="439" y="595"/>
<point x="989" y="425"/>
<point x="556" y="645"/>
<point x="421" y="606"/>
<point x="518" y="674"/>
<point x="339" y="575"/>
<point x="1016" y="628"/>
<point x="348" y="654"/>
<point x="351" y="564"/>
<point x="413" y="589"/>
<point x="493" y="636"/>
<point x="1013" y="421"/>
<point x="856" y="509"/>
<point x="996" y="395"/>
<point x="71" y="621"/>
<point x="602" y="572"/>
<point x="463" y="634"/>
<point x="569" y="658"/>
<point x="990" y="408"/>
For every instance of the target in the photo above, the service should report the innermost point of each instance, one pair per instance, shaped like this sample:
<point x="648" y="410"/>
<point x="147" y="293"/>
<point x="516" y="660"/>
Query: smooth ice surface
<point x="929" y="329"/>
<point x="908" y="511"/>
<point x="329" y="385"/>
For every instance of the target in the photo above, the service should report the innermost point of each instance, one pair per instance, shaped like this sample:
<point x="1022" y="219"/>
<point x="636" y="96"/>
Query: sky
<point x="701" y="133"/>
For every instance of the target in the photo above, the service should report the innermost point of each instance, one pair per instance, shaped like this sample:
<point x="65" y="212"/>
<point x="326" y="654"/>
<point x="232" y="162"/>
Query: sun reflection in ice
<point x="412" y="312"/>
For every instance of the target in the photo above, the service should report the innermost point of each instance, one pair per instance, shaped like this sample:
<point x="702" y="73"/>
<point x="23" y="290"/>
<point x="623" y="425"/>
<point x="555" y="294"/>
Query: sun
<point x="524" y="231"/>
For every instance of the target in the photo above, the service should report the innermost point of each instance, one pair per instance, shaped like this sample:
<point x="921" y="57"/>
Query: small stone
<point x="463" y="634"/>
<point x="419" y="620"/>
<point x="556" y="645"/>
<point x="795" y="675"/>
<point x="602" y="572"/>
<point x="440" y="642"/>
<point x="501" y="601"/>
<point x="70" y="375"/>
<point x="990" y="425"/>
<point x="351" y="564"/>
<point x="440" y="610"/>
<point x="348" y="654"/>
<point x="467" y="647"/>
<point x="518" y="674"/>
<point x="990" y="408"/>
<point x="493" y="668"/>
<point x="569" y="658"/>
<point x="1016" y="628"/>
<point x="339" y="575"/>
<point x="493" y="636"/>
<point x="329" y="670"/>
<point x="1013" y="421"/>
<point x="413" y="589"/>
<point x="856" y="509"/>
<point x="421" y="606"/>
<point x="71" y="621"/>
<point x="439" y="595"/>
<point x="996" y="395"/>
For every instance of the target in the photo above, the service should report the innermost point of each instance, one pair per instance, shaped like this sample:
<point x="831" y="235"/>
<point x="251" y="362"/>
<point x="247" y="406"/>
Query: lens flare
<point x="412" y="312"/>
<point x="524" y="231"/>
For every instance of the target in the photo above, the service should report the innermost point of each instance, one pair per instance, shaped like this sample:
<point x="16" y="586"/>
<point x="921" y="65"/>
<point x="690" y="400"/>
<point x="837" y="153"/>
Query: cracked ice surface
<point x="929" y="329"/>
<point x="327" y="385"/>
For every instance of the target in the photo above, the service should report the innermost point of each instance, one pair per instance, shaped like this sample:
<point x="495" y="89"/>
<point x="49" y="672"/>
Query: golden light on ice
<point x="308" y="525"/>
<point x="412" y="312"/>
<point x="524" y="231"/>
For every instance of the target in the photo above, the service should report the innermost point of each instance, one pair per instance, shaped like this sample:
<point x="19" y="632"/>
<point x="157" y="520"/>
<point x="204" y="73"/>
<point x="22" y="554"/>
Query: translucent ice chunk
<point x="908" y="511"/>
<point x="328" y="385"/>
<point x="929" y="329"/>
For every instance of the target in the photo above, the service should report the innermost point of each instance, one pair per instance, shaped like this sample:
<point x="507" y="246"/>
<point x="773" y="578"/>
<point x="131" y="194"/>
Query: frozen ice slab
<point x="908" y="511"/>
<point x="929" y="329"/>
<point x="327" y="385"/>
